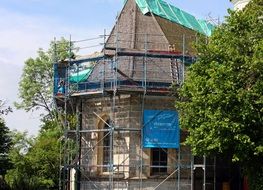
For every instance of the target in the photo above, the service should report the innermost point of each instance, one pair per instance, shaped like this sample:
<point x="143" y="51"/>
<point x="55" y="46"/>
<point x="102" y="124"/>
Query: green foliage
<point x="60" y="50"/>
<point x="18" y="177"/>
<point x="221" y="101"/>
<point x="255" y="174"/>
<point x="36" y="161"/>
<point x="5" y="144"/>
<point x="36" y="85"/>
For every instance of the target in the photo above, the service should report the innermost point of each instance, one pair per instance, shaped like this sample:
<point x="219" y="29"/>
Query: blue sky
<point x="27" y="25"/>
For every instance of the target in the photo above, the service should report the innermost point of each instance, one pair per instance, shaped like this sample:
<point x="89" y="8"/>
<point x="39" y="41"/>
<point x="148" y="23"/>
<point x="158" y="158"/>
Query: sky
<point x="27" y="25"/>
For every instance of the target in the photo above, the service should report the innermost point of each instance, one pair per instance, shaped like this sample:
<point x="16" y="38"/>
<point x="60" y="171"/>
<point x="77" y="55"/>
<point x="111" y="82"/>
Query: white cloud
<point x="21" y="36"/>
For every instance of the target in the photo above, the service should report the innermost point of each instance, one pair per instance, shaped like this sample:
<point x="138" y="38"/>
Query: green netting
<point x="80" y="76"/>
<point x="174" y="14"/>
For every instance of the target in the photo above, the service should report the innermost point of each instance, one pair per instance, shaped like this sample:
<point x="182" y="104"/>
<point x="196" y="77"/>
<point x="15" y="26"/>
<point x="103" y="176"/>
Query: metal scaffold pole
<point x="66" y="146"/>
<point x="192" y="172"/>
<point x="112" y="123"/>
<point x="204" y="168"/>
<point x="104" y="60"/>
<point x="78" y="141"/>
<point x="111" y="156"/>
<point x="183" y="65"/>
<point x="214" y="173"/>
<point x="145" y="62"/>
<point x="55" y="65"/>
<point x="65" y="156"/>
<point x="179" y="169"/>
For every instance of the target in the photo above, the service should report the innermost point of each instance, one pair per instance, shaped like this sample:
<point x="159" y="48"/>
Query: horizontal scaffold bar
<point x="154" y="54"/>
<point x="189" y="59"/>
<point x="87" y="59"/>
<point x="103" y="130"/>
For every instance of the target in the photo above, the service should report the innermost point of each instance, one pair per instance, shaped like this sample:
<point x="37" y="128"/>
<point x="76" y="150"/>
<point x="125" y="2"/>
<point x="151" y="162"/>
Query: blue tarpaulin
<point x="161" y="129"/>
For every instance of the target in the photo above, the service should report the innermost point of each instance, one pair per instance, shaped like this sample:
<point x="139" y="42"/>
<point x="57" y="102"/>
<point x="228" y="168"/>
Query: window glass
<point x="159" y="161"/>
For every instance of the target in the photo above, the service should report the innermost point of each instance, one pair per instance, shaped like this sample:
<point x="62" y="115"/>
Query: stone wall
<point x="125" y="112"/>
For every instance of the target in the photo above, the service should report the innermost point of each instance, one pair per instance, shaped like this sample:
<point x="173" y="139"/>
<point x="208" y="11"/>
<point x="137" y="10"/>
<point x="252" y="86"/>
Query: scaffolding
<point x="110" y="153"/>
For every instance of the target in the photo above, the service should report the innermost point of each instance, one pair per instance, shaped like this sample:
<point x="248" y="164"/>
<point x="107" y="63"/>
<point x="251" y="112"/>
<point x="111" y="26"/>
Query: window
<point x="159" y="161"/>
<point x="106" y="148"/>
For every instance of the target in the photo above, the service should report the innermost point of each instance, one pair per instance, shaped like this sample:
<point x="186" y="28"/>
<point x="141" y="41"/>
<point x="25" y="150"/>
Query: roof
<point x="175" y="15"/>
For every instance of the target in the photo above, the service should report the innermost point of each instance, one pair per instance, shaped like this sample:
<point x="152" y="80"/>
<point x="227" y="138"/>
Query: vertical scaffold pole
<point x="111" y="157"/>
<point x="192" y="172"/>
<point x="179" y="169"/>
<point x="67" y="96"/>
<point x="143" y="99"/>
<point x="66" y="157"/>
<point x="141" y="144"/>
<point x="183" y="65"/>
<point x="55" y="81"/>
<point x="104" y="60"/>
<point x="145" y="62"/>
<point x="116" y="58"/>
<point x="69" y="58"/>
<point x="111" y="169"/>
<point x="215" y="173"/>
<point x="204" y="168"/>
<point x="55" y="70"/>
<point x="78" y="140"/>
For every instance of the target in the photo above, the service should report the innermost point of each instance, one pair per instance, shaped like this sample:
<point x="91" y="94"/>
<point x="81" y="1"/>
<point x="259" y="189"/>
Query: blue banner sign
<point x="161" y="129"/>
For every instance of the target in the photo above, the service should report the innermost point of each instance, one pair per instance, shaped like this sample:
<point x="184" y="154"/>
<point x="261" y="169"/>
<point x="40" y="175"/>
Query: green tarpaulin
<point x="80" y="76"/>
<point x="174" y="14"/>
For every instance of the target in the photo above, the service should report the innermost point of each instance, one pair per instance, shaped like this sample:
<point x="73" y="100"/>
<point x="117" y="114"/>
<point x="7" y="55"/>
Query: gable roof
<point x="174" y="14"/>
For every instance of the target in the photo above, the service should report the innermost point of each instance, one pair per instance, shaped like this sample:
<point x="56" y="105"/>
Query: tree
<point x="45" y="156"/>
<point x="221" y="101"/>
<point x="19" y="176"/>
<point x="35" y="160"/>
<point x="5" y="143"/>
<point x="35" y="87"/>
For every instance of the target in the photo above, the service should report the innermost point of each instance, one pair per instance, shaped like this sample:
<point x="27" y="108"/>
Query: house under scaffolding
<point x="126" y="134"/>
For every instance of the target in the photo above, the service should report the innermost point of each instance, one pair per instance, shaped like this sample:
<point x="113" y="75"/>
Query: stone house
<point x="127" y="130"/>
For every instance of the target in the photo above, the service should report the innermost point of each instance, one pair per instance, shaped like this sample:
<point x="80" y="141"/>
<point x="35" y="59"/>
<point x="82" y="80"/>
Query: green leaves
<point x="35" y="160"/>
<point x="36" y="85"/>
<point x="221" y="101"/>
<point x="5" y="140"/>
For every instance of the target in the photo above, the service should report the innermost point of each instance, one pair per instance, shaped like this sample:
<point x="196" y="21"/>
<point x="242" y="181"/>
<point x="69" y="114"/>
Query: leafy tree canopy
<point x="221" y="101"/>
<point x="5" y="143"/>
<point x="36" y="85"/>
<point x="35" y="160"/>
<point x="5" y="140"/>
